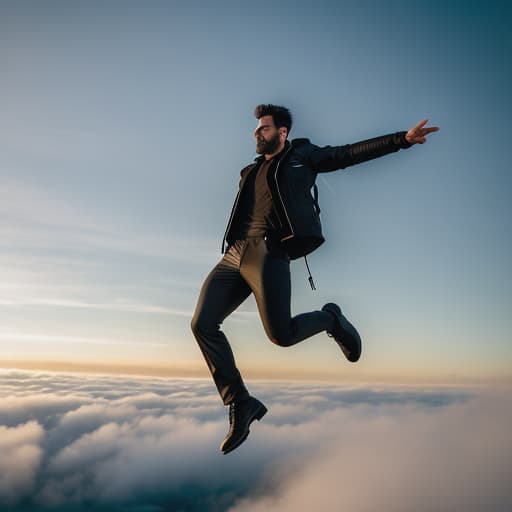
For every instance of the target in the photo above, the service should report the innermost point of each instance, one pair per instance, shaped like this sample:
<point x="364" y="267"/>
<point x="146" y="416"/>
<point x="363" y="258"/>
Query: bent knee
<point x="200" y="325"/>
<point x="197" y="325"/>
<point x="193" y="324"/>
<point x="283" y="339"/>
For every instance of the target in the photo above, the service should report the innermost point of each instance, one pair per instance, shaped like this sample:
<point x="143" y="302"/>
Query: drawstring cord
<point x="310" y="278"/>
<point x="317" y="209"/>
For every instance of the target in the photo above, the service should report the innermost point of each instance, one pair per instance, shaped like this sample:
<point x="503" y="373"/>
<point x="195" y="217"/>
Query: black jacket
<point x="291" y="177"/>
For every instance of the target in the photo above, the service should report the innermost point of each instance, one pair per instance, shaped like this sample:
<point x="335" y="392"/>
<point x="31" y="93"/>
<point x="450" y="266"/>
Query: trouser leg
<point x="268" y="274"/>
<point x="222" y="292"/>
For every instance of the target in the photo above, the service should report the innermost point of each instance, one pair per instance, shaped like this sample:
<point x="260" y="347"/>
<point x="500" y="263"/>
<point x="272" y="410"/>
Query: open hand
<point x="417" y="135"/>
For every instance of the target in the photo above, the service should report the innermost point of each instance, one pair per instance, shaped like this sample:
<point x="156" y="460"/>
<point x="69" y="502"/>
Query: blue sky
<point x="123" y="128"/>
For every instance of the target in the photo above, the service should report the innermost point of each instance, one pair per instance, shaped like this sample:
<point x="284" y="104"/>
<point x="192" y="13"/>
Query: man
<point x="275" y="219"/>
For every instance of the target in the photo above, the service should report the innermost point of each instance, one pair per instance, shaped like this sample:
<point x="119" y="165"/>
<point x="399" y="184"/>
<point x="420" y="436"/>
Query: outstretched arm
<point x="332" y="158"/>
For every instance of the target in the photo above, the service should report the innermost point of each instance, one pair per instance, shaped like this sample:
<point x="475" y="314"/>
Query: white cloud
<point x="20" y="460"/>
<point x="134" y="442"/>
<point x="33" y="403"/>
<point x="454" y="458"/>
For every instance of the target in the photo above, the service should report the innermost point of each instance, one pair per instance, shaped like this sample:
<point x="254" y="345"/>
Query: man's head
<point x="274" y="125"/>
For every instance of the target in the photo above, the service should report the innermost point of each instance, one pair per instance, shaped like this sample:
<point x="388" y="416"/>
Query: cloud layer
<point x="76" y="442"/>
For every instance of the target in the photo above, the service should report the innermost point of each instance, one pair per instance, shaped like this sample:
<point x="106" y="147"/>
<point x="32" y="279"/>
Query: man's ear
<point x="283" y="132"/>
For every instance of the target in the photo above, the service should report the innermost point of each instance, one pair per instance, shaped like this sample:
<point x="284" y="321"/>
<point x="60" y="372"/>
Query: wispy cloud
<point x="32" y="216"/>
<point x="116" y="306"/>
<point x="23" y="203"/>
<point x="14" y="336"/>
<point x="236" y="316"/>
<point x="85" y="439"/>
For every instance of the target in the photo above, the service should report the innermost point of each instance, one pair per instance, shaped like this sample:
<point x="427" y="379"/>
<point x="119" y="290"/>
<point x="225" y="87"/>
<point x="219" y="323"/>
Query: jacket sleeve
<point x="331" y="158"/>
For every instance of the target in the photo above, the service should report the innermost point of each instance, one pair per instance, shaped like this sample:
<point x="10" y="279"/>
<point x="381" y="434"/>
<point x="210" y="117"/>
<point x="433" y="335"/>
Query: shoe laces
<point x="231" y="416"/>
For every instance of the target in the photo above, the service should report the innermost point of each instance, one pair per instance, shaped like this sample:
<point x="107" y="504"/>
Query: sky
<point x="123" y="128"/>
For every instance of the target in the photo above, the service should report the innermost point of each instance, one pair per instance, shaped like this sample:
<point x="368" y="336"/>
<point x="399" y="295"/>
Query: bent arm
<point x="332" y="158"/>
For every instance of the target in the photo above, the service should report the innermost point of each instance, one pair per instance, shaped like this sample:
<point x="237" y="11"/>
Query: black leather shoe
<point x="241" y="415"/>
<point x="344" y="333"/>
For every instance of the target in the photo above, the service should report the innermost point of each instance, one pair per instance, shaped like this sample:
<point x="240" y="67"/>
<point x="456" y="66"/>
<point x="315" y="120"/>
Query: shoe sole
<point x="258" y="414"/>
<point x="354" y="335"/>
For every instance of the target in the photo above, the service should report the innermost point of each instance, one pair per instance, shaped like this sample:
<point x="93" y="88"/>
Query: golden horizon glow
<point x="157" y="370"/>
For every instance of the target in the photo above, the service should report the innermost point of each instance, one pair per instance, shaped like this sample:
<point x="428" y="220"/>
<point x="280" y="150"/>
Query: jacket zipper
<point x="234" y="209"/>
<point x="281" y="198"/>
<point x="231" y="218"/>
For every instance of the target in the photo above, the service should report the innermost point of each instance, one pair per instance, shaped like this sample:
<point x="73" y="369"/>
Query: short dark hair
<point x="281" y="115"/>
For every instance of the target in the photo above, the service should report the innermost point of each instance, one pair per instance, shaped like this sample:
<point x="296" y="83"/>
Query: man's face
<point x="267" y="136"/>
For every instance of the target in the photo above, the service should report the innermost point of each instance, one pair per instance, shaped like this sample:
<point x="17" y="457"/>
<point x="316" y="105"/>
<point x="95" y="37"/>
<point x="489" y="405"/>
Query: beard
<point x="264" y="147"/>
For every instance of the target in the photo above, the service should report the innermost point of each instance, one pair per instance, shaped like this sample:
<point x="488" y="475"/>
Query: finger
<point x="424" y="131"/>
<point x="421" y="123"/>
